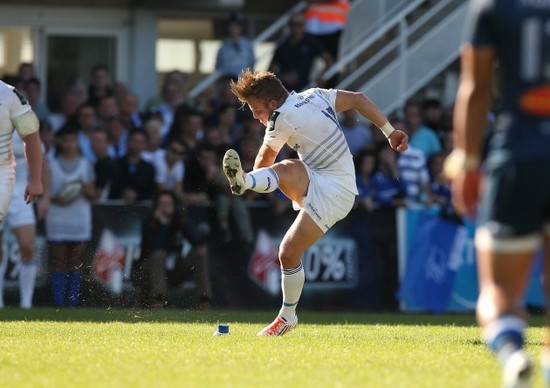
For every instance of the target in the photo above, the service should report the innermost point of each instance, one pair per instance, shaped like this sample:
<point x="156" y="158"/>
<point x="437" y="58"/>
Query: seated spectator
<point x="161" y="265"/>
<point x="205" y="181"/>
<point x="135" y="178"/>
<point x="365" y="166"/>
<point x="118" y="137"/>
<point x="32" y="88"/>
<point x="358" y="134"/>
<point x="101" y="85"/>
<point x="420" y="136"/>
<point x="441" y="188"/>
<point x="171" y="96"/>
<point x="86" y="124"/>
<point x="154" y="149"/>
<point x="107" y="107"/>
<point x="170" y="168"/>
<point x="413" y="172"/>
<point x="389" y="190"/>
<point x="187" y="127"/>
<point x="129" y="110"/>
<point x="104" y="166"/>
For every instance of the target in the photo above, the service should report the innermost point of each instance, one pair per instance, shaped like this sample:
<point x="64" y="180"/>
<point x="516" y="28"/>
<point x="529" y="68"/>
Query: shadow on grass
<point x="213" y="316"/>
<point x="261" y="317"/>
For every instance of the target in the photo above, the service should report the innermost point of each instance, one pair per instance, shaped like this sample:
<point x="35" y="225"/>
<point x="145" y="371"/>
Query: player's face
<point x="261" y="110"/>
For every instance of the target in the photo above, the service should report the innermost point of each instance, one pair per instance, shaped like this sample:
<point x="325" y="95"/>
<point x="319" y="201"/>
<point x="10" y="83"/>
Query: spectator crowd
<point x="168" y="150"/>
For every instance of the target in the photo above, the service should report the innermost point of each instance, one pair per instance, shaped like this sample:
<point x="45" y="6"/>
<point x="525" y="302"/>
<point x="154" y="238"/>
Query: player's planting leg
<point x="301" y="235"/>
<point x="262" y="180"/>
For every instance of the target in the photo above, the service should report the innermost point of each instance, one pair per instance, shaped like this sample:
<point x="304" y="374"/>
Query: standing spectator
<point x="295" y="55"/>
<point x="325" y="20"/>
<point x="101" y="84"/>
<point x="21" y="220"/>
<point x="69" y="221"/>
<point x="105" y="167"/>
<point x="236" y="52"/>
<point x="162" y="237"/>
<point x="358" y="135"/>
<point x="421" y="137"/>
<point x="135" y="178"/>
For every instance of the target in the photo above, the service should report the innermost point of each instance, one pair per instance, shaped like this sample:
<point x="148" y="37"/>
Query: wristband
<point x="387" y="129"/>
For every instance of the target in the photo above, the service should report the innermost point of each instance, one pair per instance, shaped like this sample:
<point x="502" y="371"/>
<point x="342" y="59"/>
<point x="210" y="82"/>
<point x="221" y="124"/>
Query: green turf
<point x="133" y="348"/>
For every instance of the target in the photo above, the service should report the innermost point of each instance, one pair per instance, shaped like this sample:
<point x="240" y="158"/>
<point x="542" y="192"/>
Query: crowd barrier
<point x="350" y="268"/>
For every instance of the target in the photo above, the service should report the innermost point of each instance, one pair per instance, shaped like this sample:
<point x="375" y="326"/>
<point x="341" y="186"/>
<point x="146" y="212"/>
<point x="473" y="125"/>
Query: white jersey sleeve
<point x="18" y="104"/>
<point x="277" y="132"/>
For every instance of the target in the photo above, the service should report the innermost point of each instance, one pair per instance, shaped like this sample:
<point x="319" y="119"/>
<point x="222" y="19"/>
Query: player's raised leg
<point x="262" y="180"/>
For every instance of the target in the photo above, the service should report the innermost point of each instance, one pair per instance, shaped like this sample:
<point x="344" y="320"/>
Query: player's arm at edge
<point x="27" y="126"/>
<point x="471" y="107"/>
<point x="265" y="157"/>
<point x="346" y="100"/>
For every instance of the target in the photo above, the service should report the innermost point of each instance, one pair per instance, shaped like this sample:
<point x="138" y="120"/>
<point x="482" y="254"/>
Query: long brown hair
<point x="259" y="85"/>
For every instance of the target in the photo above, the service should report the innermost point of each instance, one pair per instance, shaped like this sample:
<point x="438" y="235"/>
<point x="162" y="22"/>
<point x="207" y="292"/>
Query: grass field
<point x="172" y="348"/>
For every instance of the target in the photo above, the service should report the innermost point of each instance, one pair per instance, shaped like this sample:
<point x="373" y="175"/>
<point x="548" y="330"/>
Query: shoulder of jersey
<point x="272" y="119"/>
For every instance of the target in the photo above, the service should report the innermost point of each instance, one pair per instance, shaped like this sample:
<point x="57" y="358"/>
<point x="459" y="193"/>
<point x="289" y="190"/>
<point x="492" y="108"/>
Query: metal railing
<point x="274" y="28"/>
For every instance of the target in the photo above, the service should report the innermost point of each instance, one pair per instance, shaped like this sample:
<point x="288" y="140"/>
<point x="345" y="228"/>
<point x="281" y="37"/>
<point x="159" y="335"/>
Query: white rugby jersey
<point x="12" y="105"/>
<point x="307" y="122"/>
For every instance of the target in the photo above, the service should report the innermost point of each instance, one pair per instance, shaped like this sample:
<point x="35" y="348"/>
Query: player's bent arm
<point x="346" y="100"/>
<point x="265" y="158"/>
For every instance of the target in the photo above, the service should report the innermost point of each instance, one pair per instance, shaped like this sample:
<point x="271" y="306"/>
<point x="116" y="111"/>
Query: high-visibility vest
<point x="335" y="12"/>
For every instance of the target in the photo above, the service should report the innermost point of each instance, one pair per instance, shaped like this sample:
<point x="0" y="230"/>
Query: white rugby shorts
<point x="327" y="201"/>
<point x="7" y="181"/>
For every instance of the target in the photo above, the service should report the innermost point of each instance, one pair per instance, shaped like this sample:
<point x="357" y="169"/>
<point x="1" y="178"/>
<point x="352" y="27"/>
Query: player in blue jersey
<point x="513" y="213"/>
<point x="321" y="183"/>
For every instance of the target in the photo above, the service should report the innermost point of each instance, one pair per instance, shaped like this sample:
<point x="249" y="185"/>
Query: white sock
<point x="3" y="266"/>
<point x="292" y="282"/>
<point x="262" y="180"/>
<point x="27" y="279"/>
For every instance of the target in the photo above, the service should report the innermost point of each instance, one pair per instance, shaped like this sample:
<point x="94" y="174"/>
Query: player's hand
<point x="398" y="140"/>
<point x="465" y="192"/>
<point x="33" y="191"/>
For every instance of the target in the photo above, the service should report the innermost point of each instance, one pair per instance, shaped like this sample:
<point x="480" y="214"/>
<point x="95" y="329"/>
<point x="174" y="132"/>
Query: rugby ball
<point x="68" y="192"/>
